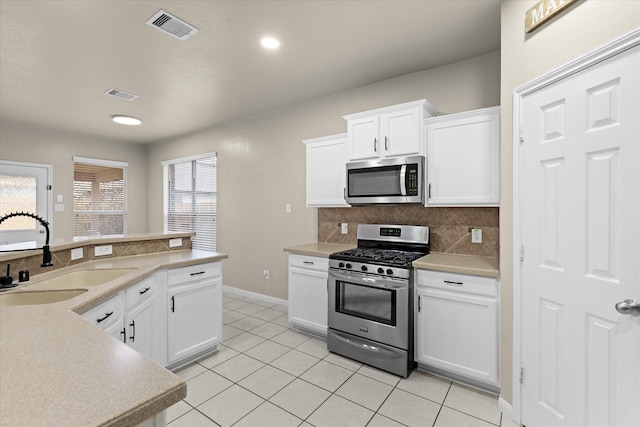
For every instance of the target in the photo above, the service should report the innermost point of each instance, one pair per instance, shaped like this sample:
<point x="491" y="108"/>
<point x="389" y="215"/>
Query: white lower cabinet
<point x="194" y="310"/>
<point x="133" y="317"/>
<point x="457" y="326"/>
<point x="308" y="299"/>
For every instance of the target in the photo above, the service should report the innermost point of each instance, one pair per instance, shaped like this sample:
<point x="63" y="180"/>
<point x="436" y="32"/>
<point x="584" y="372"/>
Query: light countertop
<point x="453" y="263"/>
<point x="58" y="369"/>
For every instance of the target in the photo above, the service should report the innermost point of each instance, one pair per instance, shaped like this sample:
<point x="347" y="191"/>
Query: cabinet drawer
<point x="194" y="273"/>
<point x="107" y="313"/>
<point x="139" y="292"/>
<point x="309" y="262"/>
<point x="455" y="282"/>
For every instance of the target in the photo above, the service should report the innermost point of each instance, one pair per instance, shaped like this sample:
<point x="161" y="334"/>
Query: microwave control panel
<point x="412" y="180"/>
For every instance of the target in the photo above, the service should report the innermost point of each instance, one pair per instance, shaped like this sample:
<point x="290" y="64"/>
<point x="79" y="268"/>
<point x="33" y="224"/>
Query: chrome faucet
<point x="46" y="252"/>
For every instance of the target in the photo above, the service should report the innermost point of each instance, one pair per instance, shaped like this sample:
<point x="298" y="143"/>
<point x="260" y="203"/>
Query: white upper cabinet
<point x="326" y="158"/>
<point x="463" y="159"/>
<point x="388" y="132"/>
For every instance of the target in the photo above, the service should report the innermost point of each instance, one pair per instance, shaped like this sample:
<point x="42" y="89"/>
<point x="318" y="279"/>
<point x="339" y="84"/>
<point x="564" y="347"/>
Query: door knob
<point x="628" y="306"/>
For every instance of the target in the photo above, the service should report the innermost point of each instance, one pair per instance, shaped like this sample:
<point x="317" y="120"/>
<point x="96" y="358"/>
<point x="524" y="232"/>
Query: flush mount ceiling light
<point x="127" y="120"/>
<point x="270" y="43"/>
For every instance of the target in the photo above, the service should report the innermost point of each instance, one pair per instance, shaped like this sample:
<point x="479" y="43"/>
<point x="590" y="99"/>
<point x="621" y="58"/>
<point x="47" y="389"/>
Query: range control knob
<point x="341" y="265"/>
<point x="380" y="270"/>
<point x="348" y="265"/>
<point x="389" y="271"/>
<point x="364" y="268"/>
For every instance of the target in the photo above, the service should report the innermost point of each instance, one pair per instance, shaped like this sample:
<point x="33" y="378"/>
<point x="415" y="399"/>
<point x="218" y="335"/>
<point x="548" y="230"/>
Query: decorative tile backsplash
<point x="449" y="228"/>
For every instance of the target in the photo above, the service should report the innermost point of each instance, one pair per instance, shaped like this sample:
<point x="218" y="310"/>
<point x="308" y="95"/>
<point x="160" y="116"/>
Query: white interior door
<point x="24" y="187"/>
<point x="580" y="227"/>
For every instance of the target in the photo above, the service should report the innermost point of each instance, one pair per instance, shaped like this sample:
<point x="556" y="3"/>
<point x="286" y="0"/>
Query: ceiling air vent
<point x="121" y="94"/>
<point x="172" y="25"/>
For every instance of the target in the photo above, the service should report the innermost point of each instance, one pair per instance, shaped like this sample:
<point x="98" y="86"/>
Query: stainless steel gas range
<point x="371" y="296"/>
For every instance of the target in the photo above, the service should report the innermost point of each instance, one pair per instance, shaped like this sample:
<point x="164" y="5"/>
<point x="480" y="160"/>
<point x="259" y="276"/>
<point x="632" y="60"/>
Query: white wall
<point x="30" y="143"/>
<point x="262" y="164"/>
<point x="582" y="28"/>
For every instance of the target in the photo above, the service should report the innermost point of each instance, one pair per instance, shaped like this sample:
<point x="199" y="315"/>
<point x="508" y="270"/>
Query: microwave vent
<point x="171" y="25"/>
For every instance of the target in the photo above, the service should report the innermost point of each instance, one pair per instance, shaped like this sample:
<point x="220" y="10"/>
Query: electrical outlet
<point x="266" y="273"/>
<point x="476" y="235"/>
<point x="103" y="250"/>
<point x="175" y="243"/>
<point x="344" y="228"/>
<point x="77" y="253"/>
<point x="59" y="207"/>
<point x="287" y="208"/>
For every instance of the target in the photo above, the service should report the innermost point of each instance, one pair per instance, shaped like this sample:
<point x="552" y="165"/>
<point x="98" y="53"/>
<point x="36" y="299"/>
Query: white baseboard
<point x="507" y="410"/>
<point x="255" y="295"/>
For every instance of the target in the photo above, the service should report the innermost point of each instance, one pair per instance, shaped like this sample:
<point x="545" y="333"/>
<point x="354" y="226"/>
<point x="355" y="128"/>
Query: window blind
<point x="99" y="199"/>
<point x="191" y="199"/>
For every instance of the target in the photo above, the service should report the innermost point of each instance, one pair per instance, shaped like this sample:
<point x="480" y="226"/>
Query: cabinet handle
<point x="106" y="316"/>
<point x="308" y="262"/>
<point x="145" y="290"/>
<point x="123" y="332"/>
<point x="344" y="192"/>
<point x="386" y="147"/>
<point x="419" y="303"/>
<point x="375" y="145"/>
<point x="197" y="274"/>
<point x="173" y="304"/>
<point x="448" y="282"/>
<point x="133" y="333"/>
<point x="429" y="192"/>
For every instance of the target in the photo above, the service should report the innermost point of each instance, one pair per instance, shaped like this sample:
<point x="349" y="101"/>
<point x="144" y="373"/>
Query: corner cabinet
<point x="308" y="297"/>
<point x="457" y="326"/>
<point x="388" y="132"/>
<point x="326" y="171"/>
<point x="463" y="159"/>
<point x="194" y="310"/>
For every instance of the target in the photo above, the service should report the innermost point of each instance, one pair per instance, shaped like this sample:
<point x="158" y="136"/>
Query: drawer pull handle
<point x="448" y="282"/>
<point x="197" y="274"/>
<point x="308" y="262"/>
<point x="145" y="290"/>
<point x="106" y="316"/>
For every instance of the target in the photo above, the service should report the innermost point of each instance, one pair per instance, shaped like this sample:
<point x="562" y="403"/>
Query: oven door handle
<point x="361" y="279"/>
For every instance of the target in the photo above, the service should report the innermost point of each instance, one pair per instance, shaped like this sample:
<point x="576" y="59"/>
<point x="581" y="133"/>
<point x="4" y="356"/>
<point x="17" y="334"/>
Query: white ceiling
<point x="58" y="57"/>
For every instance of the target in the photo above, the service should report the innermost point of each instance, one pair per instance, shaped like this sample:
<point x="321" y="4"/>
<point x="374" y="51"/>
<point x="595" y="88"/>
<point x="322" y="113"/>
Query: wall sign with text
<point x="542" y="11"/>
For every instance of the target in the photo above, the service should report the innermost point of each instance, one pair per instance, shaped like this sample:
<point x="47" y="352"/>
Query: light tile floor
<point x="267" y="374"/>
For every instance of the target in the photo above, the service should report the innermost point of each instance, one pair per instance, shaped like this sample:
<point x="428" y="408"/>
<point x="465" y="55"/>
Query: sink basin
<point x="38" y="297"/>
<point x="82" y="278"/>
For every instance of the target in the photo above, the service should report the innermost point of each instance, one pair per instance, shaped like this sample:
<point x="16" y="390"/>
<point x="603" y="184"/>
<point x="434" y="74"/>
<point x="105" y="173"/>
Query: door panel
<point x="580" y="232"/>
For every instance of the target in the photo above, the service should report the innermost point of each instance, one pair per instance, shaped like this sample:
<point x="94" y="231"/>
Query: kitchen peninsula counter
<point x="58" y="369"/>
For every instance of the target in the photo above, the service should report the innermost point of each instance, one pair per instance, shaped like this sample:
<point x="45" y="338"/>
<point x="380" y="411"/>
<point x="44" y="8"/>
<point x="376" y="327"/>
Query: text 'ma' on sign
<point x="542" y="11"/>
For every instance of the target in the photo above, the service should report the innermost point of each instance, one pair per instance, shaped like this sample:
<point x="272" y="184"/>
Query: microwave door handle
<point x="403" y="180"/>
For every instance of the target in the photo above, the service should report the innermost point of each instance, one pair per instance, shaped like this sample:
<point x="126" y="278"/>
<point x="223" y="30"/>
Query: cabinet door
<point x="458" y="333"/>
<point x="117" y="330"/>
<point x="363" y="138"/>
<point x="194" y="318"/>
<point x="400" y="133"/>
<point x="463" y="159"/>
<point x="326" y="175"/>
<point x="140" y="326"/>
<point x="308" y="299"/>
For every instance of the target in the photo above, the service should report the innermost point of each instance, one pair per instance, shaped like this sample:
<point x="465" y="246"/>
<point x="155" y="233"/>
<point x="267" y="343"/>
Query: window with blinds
<point x="191" y="199"/>
<point x="99" y="197"/>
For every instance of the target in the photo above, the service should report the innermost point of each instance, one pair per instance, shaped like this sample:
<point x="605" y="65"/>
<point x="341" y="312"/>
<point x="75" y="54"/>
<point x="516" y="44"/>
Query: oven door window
<point x="366" y="302"/>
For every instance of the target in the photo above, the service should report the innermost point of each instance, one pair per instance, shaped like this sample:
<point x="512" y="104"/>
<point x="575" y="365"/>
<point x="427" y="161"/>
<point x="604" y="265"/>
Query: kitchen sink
<point x="38" y="297"/>
<point x="81" y="278"/>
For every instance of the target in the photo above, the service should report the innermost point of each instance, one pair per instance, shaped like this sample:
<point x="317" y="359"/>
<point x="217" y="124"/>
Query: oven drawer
<point x="455" y="282"/>
<point x="309" y="262"/>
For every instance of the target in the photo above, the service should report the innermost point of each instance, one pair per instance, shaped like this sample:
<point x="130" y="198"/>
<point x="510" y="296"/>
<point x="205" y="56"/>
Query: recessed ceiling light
<point x="270" y="43"/>
<point x="127" y="120"/>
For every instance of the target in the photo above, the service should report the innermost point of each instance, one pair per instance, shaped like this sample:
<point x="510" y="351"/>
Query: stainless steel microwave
<point x="390" y="181"/>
